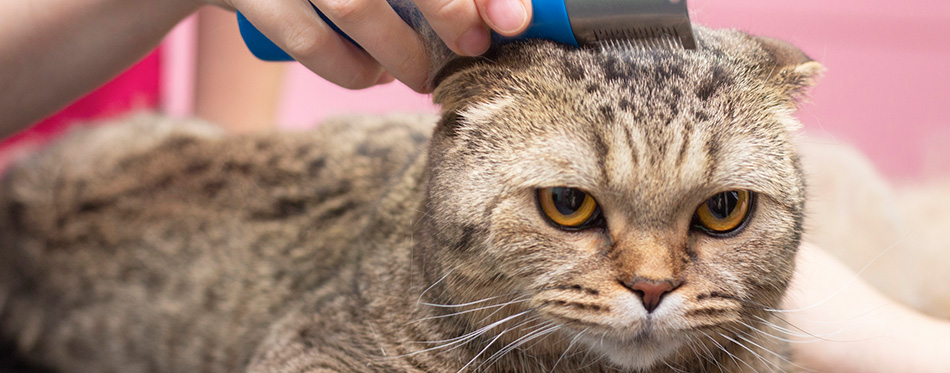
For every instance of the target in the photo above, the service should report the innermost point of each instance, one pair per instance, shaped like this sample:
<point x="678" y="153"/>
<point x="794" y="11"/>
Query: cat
<point x="571" y="209"/>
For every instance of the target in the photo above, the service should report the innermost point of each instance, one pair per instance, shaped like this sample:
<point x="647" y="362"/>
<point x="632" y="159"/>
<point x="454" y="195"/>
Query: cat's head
<point x="633" y="203"/>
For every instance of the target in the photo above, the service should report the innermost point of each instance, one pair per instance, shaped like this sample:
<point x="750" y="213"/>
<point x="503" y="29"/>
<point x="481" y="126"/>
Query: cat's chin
<point x="638" y="354"/>
<point x="653" y="340"/>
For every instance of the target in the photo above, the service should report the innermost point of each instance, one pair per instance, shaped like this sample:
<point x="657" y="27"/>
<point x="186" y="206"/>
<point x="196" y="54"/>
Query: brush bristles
<point x="645" y="38"/>
<point x="642" y="44"/>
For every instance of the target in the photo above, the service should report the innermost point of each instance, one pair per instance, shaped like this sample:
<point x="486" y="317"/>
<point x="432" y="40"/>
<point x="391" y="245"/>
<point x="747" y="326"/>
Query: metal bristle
<point x="642" y="38"/>
<point x="644" y="44"/>
<point x="641" y="24"/>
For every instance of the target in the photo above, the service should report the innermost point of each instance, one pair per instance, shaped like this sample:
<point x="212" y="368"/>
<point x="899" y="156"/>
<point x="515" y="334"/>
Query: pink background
<point x="885" y="90"/>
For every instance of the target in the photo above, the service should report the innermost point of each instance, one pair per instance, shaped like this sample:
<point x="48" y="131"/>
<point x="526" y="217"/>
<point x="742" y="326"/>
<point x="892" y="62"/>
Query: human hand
<point x="391" y="49"/>
<point x="840" y="323"/>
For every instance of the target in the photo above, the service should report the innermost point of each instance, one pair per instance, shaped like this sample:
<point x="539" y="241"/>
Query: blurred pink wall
<point x="178" y="69"/>
<point x="887" y="83"/>
<point x="886" y="88"/>
<point x="308" y="98"/>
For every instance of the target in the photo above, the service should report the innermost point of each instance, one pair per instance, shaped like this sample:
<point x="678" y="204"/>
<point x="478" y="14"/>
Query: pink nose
<point x="651" y="291"/>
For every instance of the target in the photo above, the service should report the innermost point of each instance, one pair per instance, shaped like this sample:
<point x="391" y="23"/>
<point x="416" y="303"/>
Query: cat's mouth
<point x="645" y="335"/>
<point x="627" y="334"/>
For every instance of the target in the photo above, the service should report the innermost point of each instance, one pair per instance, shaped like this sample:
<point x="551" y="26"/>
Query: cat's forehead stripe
<point x="690" y="153"/>
<point x="692" y="162"/>
<point x="635" y="122"/>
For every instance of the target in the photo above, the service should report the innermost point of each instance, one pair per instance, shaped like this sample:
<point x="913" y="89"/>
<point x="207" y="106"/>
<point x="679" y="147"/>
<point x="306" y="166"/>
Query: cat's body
<point x="255" y="224"/>
<point x="364" y="246"/>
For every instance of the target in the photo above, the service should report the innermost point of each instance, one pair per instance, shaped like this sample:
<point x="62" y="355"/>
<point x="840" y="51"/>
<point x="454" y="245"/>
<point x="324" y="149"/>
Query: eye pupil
<point x="724" y="212"/>
<point x="568" y="200"/>
<point x="723" y="204"/>
<point x="568" y="208"/>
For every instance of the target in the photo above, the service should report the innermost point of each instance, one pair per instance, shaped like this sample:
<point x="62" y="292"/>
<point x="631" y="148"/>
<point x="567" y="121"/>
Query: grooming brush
<point x="647" y="24"/>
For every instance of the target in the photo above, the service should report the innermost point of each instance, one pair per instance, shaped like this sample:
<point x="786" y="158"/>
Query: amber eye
<point x="724" y="212"/>
<point x="568" y="207"/>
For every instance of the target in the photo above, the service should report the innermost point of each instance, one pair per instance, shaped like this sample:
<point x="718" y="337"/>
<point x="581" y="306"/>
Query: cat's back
<point x="157" y="234"/>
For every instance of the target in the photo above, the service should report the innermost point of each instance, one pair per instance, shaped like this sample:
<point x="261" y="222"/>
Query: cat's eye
<point x="724" y="212"/>
<point x="569" y="208"/>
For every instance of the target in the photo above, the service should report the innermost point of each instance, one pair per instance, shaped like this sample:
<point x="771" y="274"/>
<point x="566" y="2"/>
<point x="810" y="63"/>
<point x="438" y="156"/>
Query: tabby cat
<point x="592" y="209"/>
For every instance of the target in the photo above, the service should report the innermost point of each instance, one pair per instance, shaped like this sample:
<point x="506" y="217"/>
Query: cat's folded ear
<point x="788" y="68"/>
<point x="456" y="84"/>
<point x="438" y="54"/>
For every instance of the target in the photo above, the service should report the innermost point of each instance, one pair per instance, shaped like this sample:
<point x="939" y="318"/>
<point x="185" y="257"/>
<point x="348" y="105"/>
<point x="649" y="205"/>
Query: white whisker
<point x="696" y="354"/>
<point x="710" y="356"/>
<point x="483" y="350"/>
<point x="573" y="340"/>
<point x="587" y="355"/>
<point x="770" y="351"/>
<point x="462" y="340"/>
<point x="464" y="304"/>
<point x="419" y="300"/>
<point x="518" y="300"/>
<point x="854" y="278"/>
<point x="800" y="332"/>
<point x="788" y="332"/>
<point x="500" y="353"/>
<point x="499" y="306"/>
<point x="761" y="358"/>
<point x="673" y="368"/>
<point x="542" y="330"/>
<point x="723" y="349"/>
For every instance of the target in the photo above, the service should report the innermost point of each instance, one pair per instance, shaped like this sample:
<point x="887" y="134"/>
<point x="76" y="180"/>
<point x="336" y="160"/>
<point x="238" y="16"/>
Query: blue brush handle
<point x="549" y="22"/>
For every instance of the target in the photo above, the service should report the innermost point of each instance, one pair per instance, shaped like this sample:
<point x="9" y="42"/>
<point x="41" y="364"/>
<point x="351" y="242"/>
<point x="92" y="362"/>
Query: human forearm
<point x="233" y="89"/>
<point x="845" y="325"/>
<point x="53" y="51"/>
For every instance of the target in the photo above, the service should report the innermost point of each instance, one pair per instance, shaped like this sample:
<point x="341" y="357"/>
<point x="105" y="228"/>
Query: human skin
<point x="841" y="324"/>
<point x="392" y="48"/>
<point x="54" y="51"/>
<point x="233" y="89"/>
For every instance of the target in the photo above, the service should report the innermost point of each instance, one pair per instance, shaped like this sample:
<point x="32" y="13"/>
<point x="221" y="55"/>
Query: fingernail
<point x="474" y="41"/>
<point x="506" y="16"/>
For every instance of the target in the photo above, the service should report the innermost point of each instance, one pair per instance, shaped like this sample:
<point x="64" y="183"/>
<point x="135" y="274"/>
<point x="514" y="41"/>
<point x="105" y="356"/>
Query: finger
<point x="384" y="35"/>
<point x="507" y="17"/>
<point x="458" y="24"/>
<point x="298" y="30"/>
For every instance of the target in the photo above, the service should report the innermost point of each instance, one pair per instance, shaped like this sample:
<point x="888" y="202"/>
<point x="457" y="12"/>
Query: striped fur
<point x="369" y="245"/>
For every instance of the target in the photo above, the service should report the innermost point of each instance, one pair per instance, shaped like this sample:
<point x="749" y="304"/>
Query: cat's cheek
<point x="584" y="242"/>
<point x="713" y="267"/>
<point x="713" y="260"/>
<point x="592" y="242"/>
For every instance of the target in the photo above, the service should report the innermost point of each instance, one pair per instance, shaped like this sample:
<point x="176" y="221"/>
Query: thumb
<point x="506" y="17"/>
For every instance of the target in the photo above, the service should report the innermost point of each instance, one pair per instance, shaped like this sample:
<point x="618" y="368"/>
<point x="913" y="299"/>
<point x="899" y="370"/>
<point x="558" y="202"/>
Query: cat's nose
<point x="651" y="291"/>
